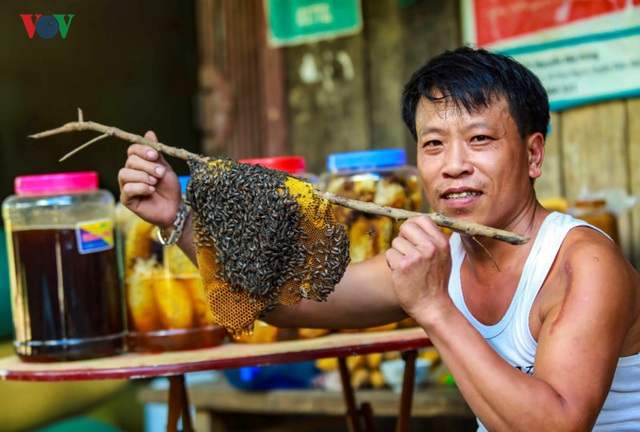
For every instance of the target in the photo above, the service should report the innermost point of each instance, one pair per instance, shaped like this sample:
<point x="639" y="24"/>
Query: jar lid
<point x="184" y="180"/>
<point x="288" y="164"/>
<point x="366" y="159"/>
<point x="591" y="202"/>
<point x="55" y="183"/>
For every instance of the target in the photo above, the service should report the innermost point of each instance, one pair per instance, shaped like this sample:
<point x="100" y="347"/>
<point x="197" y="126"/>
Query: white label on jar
<point x="94" y="236"/>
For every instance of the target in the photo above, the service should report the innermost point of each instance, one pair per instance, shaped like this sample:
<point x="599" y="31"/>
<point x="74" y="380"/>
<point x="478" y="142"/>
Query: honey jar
<point x="63" y="268"/>
<point x="164" y="297"/>
<point x="379" y="176"/>
<point x="594" y="211"/>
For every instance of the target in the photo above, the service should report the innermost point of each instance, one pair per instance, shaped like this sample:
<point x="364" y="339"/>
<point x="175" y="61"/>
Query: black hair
<point x="472" y="78"/>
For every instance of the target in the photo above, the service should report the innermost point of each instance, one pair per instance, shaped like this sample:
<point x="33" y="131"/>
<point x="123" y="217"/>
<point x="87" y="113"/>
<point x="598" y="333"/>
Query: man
<point x="543" y="336"/>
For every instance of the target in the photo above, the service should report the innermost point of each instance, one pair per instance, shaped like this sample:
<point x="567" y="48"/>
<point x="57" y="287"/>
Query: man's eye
<point x="433" y="143"/>
<point x="480" y="138"/>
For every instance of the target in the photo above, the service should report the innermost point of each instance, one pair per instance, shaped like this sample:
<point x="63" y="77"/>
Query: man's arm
<point x="584" y="325"/>
<point x="363" y="298"/>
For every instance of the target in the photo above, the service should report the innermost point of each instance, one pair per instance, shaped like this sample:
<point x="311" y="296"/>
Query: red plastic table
<point x="230" y="355"/>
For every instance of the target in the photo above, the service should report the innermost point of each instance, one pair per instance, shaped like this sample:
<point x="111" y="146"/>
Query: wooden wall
<point x="597" y="147"/>
<point x="344" y="94"/>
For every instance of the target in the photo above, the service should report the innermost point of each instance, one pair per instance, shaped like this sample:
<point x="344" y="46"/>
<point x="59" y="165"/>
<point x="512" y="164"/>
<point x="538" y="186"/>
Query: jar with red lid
<point x="263" y="332"/>
<point x="63" y="268"/>
<point x="294" y="165"/>
<point x="164" y="297"/>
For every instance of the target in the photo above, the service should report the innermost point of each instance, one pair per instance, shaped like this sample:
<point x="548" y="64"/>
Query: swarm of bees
<point x="264" y="238"/>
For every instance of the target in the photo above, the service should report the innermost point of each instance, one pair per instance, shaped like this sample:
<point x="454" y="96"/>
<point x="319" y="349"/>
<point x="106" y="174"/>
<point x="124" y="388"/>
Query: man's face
<point x="475" y="166"/>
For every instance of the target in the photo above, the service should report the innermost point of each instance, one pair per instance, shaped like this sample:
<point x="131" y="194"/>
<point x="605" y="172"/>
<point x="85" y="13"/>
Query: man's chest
<point x="489" y="301"/>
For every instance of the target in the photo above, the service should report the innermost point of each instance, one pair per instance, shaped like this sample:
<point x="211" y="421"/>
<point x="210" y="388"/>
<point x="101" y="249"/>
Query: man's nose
<point x="457" y="160"/>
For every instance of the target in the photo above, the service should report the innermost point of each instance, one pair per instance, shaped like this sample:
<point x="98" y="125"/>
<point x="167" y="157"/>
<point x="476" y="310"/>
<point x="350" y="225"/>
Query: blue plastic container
<point x="282" y="376"/>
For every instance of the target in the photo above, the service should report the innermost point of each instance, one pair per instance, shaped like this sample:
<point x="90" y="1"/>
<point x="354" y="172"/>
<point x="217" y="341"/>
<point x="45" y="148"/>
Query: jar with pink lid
<point x="63" y="268"/>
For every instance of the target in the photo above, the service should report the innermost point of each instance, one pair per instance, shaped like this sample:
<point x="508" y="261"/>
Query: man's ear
<point x="535" y="149"/>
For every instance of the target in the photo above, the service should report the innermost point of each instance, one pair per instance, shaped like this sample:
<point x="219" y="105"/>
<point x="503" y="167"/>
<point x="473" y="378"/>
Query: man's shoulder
<point x="583" y="251"/>
<point x="570" y="231"/>
<point x="590" y="256"/>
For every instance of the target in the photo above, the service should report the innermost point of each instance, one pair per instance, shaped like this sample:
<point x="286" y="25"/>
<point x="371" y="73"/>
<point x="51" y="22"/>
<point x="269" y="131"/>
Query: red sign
<point x="496" y="20"/>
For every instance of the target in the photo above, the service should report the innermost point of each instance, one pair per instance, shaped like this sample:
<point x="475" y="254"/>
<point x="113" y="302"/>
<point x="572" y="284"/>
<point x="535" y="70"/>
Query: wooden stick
<point x="469" y="228"/>
<point x="82" y="125"/>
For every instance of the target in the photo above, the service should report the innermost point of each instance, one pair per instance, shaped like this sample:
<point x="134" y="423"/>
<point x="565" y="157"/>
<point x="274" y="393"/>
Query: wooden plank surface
<point x="385" y="79"/>
<point x="633" y="122"/>
<point x="226" y="356"/>
<point x="550" y="184"/>
<point x="595" y="154"/>
<point x="428" y="401"/>
<point x="327" y="100"/>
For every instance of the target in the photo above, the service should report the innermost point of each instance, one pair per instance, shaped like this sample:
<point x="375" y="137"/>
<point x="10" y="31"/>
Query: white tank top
<point x="512" y="339"/>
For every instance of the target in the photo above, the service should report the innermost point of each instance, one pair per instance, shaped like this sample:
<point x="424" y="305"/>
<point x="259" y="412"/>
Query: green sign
<point x="293" y="22"/>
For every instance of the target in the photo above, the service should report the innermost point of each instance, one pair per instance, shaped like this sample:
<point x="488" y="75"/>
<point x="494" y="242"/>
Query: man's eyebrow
<point x="474" y="125"/>
<point x="429" y="129"/>
<point x="479" y="124"/>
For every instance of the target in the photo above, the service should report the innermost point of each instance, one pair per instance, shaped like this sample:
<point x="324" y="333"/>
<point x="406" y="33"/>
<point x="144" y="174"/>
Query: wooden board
<point x="428" y="401"/>
<point x="385" y="79"/>
<point x="633" y="122"/>
<point x="226" y="356"/>
<point x="594" y="154"/>
<point x="550" y="183"/>
<point x="327" y="100"/>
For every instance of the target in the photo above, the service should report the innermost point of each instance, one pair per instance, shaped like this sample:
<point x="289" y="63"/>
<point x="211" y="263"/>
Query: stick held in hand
<point x="469" y="228"/>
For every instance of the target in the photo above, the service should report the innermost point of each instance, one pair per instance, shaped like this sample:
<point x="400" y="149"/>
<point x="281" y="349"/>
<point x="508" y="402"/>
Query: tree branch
<point x="470" y="228"/>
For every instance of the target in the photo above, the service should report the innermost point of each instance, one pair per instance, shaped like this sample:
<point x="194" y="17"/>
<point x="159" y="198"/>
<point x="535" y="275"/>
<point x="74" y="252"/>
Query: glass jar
<point x="164" y="297"/>
<point x="263" y="332"/>
<point x="379" y="176"/>
<point x="63" y="268"/>
<point x="594" y="211"/>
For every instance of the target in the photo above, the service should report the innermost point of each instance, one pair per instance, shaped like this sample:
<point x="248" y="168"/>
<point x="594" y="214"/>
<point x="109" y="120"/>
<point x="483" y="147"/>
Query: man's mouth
<point x="458" y="195"/>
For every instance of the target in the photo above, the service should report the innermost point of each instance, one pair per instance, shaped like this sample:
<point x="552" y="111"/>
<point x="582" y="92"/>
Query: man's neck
<point x="485" y="253"/>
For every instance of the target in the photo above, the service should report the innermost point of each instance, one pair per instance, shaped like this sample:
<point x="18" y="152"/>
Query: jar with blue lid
<point x="164" y="297"/>
<point x="380" y="176"/>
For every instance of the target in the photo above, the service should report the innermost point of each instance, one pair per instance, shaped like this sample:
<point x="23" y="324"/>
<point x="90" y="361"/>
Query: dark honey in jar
<point x="66" y="296"/>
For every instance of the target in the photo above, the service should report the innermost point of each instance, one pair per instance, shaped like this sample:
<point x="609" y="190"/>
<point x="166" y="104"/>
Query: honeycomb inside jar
<point x="164" y="296"/>
<point x="370" y="235"/>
